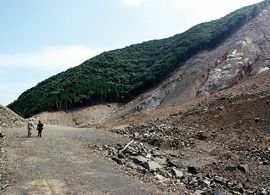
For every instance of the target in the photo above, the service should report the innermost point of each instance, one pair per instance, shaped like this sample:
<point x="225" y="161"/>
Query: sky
<point x="40" y="38"/>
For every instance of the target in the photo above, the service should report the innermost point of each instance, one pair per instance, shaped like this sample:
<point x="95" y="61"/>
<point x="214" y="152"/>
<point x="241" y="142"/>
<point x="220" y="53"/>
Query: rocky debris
<point x="243" y="167"/>
<point x="192" y="170"/>
<point x="177" y="173"/>
<point x="224" y="138"/>
<point x="5" y="180"/>
<point x="1" y="134"/>
<point x="9" y="119"/>
<point x="154" y="165"/>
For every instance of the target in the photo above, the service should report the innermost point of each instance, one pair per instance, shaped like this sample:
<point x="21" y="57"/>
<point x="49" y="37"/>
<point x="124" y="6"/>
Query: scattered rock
<point x="161" y="161"/>
<point x="120" y="155"/>
<point x="218" y="179"/>
<point x="201" y="136"/>
<point x="118" y="160"/>
<point x="192" y="170"/>
<point x="139" y="159"/>
<point x="243" y="167"/>
<point x="178" y="174"/>
<point x="219" y="192"/>
<point x="160" y="178"/>
<point x="153" y="166"/>
<point x="206" y="183"/>
<point x="257" y="119"/>
<point x="199" y="192"/>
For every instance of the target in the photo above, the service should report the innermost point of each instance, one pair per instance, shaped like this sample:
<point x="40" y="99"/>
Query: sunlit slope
<point x="122" y="74"/>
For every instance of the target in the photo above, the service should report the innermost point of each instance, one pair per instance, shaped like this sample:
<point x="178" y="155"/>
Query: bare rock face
<point x="243" y="55"/>
<point x="10" y="119"/>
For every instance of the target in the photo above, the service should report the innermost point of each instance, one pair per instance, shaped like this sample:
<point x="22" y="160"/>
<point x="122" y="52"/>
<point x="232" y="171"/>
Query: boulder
<point x="153" y="166"/>
<point x="177" y="173"/>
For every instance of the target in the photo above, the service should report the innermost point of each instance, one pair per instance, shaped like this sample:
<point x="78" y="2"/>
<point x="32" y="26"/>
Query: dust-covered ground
<point x="61" y="163"/>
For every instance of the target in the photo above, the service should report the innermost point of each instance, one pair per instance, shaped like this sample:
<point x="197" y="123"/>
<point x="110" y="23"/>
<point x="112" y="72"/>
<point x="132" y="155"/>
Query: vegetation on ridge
<point x="122" y="74"/>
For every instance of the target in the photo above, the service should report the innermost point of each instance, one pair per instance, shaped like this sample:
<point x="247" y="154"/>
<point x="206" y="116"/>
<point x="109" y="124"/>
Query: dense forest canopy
<point x="122" y="74"/>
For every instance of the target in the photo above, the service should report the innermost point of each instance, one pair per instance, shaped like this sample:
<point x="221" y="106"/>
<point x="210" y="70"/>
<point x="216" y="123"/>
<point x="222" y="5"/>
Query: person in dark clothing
<point x="39" y="128"/>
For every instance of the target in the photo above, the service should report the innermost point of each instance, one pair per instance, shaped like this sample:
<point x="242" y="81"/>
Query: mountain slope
<point x="245" y="54"/>
<point x="120" y="75"/>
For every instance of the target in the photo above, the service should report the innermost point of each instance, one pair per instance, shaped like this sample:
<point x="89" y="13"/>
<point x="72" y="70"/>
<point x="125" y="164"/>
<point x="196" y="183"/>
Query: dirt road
<point x="60" y="163"/>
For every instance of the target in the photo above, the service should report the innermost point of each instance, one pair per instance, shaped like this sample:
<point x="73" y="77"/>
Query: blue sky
<point x="40" y="38"/>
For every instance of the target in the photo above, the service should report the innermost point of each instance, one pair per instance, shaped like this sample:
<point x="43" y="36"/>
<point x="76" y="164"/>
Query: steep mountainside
<point x="120" y="75"/>
<point x="9" y="119"/>
<point x="243" y="55"/>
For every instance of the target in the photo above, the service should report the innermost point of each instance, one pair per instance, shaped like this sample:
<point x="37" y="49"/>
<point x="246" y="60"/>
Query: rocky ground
<point x="9" y="119"/>
<point x="216" y="145"/>
<point x="61" y="163"/>
<point x="5" y="179"/>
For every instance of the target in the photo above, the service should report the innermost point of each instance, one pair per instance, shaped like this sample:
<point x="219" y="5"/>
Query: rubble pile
<point x="209" y="149"/>
<point x="9" y="119"/>
<point x="161" y="134"/>
<point x="153" y="164"/>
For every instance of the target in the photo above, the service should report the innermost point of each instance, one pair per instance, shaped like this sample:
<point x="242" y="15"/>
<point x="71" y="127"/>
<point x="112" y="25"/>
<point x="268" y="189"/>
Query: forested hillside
<point x="122" y="74"/>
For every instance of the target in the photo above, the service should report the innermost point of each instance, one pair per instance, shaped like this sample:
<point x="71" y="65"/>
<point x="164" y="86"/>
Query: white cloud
<point x="134" y="2"/>
<point x="50" y="58"/>
<point x="12" y="90"/>
<point x="190" y="3"/>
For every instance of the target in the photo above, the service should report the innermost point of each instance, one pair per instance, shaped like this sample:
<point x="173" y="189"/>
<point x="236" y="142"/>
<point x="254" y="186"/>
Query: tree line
<point x="122" y="74"/>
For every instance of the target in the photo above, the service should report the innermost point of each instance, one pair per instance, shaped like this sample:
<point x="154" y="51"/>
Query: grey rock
<point x="132" y="165"/>
<point x="199" y="192"/>
<point x="153" y="166"/>
<point x="264" y="192"/>
<point x="160" y="178"/>
<point x="243" y="167"/>
<point x="218" y="179"/>
<point x="120" y="155"/>
<point x="172" y="163"/>
<point x="118" y="160"/>
<point x="161" y="161"/>
<point x="206" y="183"/>
<point x="219" y="192"/>
<point x="136" y="135"/>
<point x="177" y="173"/>
<point x="139" y="159"/>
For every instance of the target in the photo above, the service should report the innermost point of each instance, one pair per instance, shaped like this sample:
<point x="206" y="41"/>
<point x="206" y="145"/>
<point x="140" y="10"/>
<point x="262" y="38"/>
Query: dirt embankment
<point x="80" y="117"/>
<point x="10" y="119"/>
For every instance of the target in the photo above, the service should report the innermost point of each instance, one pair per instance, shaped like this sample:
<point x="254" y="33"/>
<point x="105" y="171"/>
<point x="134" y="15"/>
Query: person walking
<point x="30" y="126"/>
<point x="39" y="128"/>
